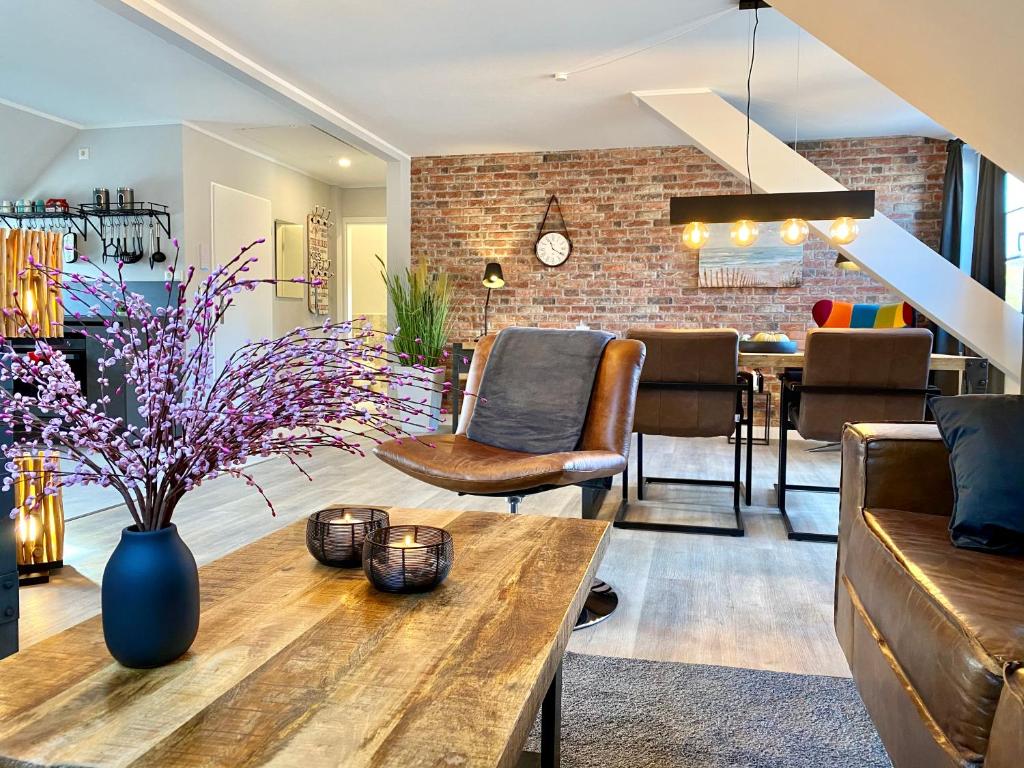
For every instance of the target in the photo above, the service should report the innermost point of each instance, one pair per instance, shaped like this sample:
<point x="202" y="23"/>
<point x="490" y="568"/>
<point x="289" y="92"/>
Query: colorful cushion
<point x="843" y="314"/>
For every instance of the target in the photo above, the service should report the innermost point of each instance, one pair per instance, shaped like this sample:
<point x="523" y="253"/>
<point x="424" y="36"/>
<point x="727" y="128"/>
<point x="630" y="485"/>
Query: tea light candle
<point x="408" y="558"/>
<point x="335" y="535"/>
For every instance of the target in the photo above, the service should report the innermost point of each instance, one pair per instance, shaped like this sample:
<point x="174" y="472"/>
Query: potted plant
<point x="422" y="303"/>
<point x="312" y="387"/>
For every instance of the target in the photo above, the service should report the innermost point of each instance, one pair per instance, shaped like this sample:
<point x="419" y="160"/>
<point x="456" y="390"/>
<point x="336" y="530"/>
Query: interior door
<point x="365" y="240"/>
<point x="237" y="219"/>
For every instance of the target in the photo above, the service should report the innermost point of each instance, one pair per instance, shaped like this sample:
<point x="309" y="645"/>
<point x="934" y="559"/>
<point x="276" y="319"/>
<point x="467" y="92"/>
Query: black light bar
<point x="810" y="206"/>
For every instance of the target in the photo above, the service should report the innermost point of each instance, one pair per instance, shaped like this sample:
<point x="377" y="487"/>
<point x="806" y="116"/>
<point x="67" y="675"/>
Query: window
<point x="1014" y="241"/>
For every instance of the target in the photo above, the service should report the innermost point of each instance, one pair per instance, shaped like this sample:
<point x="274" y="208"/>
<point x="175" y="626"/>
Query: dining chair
<point x="691" y="387"/>
<point x="849" y="375"/>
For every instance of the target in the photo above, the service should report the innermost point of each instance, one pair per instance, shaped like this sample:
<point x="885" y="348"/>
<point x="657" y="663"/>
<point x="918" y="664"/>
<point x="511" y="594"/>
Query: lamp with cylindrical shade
<point x="493" y="278"/>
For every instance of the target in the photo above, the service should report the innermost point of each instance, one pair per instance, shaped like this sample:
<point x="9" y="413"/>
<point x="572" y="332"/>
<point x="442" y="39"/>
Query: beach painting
<point x="768" y="263"/>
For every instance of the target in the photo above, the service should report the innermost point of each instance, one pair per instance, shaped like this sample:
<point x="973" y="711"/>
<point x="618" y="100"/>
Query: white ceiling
<point x="454" y="76"/>
<point x="111" y="72"/>
<point x="307" y="149"/>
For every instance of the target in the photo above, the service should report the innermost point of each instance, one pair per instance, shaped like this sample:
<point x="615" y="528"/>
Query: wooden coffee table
<point x="297" y="664"/>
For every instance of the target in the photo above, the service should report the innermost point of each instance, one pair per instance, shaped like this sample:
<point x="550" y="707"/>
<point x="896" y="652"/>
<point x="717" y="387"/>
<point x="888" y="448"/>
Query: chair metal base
<point x="739" y="488"/>
<point x="792" y="533"/>
<point x="601" y="603"/>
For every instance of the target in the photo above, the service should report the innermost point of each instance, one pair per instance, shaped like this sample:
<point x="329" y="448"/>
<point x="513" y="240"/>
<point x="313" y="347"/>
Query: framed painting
<point x="768" y="263"/>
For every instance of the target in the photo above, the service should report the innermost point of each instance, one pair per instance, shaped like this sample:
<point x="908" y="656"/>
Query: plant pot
<point x="429" y="388"/>
<point x="150" y="598"/>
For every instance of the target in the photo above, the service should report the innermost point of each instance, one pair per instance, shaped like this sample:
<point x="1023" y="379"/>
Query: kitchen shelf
<point x="141" y="210"/>
<point x="73" y="217"/>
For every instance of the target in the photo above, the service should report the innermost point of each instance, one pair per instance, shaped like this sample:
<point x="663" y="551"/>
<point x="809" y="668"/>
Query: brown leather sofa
<point x="934" y="635"/>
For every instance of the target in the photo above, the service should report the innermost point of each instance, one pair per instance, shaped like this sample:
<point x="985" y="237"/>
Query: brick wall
<point x="627" y="267"/>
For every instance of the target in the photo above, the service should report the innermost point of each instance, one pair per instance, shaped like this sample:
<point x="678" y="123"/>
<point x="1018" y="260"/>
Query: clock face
<point x="553" y="249"/>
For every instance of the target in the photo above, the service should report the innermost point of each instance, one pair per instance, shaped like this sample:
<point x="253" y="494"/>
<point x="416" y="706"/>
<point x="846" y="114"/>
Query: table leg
<point x="551" y="724"/>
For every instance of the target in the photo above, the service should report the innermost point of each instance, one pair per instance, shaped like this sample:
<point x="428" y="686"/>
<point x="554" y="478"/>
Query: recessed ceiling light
<point x="344" y="162"/>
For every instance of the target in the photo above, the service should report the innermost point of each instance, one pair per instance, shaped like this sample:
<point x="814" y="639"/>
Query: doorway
<point x="366" y="238"/>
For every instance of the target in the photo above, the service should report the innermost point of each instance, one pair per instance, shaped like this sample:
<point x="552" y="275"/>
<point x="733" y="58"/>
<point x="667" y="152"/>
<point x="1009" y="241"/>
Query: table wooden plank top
<point x="298" y="664"/>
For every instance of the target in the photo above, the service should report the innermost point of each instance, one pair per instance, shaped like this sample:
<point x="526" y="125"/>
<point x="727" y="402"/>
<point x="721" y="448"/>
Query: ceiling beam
<point x="893" y="256"/>
<point x="958" y="62"/>
<point x="179" y="31"/>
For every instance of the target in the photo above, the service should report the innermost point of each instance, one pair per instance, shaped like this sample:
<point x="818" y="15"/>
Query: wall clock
<point x="552" y="247"/>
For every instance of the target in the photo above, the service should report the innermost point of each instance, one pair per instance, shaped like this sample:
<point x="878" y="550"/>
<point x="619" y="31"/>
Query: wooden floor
<point x="760" y="601"/>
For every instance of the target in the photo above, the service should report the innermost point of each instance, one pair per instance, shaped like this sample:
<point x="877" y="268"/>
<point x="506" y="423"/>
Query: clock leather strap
<point x="553" y="200"/>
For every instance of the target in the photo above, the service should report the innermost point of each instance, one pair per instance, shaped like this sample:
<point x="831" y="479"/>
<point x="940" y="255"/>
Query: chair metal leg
<point x="750" y="439"/>
<point x="513" y="504"/>
<point x="640" y="466"/>
<point x="621" y="521"/>
<point x="737" y="464"/>
<point x="781" y="487"/>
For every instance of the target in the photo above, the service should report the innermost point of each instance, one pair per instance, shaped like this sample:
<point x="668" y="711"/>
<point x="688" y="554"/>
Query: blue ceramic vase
<point x="150" y="598"/>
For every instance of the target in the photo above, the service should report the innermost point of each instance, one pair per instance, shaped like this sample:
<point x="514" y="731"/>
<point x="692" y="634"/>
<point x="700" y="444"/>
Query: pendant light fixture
<point x="793" y="209"/>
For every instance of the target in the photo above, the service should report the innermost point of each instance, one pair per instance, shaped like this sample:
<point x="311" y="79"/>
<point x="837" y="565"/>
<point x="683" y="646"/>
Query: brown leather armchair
<point x="934" y="635"/>
<point x="850" y="375"/>
<point x="459" y="464"/>
<point x="691" y="386"/>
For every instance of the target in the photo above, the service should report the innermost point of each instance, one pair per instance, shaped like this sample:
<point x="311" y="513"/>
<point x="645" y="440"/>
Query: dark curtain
<point x="988" y="264"/>
<point x="949" y="247"/>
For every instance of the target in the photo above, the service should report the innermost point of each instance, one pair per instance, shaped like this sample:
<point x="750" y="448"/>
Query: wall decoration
<point x="318" y="260"/>
<point x="290" y="259"/>
<point x="764" y="264"/>
<point x="553" y="246"/>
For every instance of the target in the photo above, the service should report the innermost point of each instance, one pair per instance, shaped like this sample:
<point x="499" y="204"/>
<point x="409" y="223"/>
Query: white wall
<point x="147" y="159"/>
<point x="29" y="143"/>
<point x="358" y="202"/>
<point x="292" y="196"/>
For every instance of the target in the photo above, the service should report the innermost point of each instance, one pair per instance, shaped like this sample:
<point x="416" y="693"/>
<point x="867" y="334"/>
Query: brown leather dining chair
<point x="457" y="463"/>
<point x="850" y="375"/>
<point x="691" y="387"/>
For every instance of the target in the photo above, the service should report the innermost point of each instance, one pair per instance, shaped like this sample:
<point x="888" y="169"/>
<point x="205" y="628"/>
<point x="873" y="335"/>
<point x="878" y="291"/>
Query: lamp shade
<point x="844" y="263"/>
<point x="493" y="277"/>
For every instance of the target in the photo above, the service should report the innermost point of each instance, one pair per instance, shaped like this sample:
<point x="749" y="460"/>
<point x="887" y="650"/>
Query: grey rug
<point x="626" y="712"/>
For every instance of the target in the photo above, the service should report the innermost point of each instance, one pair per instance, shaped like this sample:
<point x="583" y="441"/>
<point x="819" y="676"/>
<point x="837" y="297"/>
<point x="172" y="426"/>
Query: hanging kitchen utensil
<point x="69" y="244"/>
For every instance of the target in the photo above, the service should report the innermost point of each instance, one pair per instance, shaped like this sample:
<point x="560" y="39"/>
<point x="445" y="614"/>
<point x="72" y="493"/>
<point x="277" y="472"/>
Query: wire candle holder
<point x="335" y="535"/>
<point x="408" y="558"/>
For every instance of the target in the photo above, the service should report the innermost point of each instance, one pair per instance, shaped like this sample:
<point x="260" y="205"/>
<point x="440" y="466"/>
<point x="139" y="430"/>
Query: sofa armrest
<point x="1006" y="744"/>
<point x="901" y="466"/>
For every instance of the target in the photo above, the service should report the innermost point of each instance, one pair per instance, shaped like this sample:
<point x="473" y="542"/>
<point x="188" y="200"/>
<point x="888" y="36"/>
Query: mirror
<point x="290" y="258"/>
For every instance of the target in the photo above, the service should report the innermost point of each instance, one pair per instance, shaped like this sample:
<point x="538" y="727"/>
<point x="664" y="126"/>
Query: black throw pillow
<point x="985" y="438"/>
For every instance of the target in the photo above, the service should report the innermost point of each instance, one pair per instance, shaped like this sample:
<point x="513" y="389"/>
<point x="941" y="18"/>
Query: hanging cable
<point x="750" y="72"/>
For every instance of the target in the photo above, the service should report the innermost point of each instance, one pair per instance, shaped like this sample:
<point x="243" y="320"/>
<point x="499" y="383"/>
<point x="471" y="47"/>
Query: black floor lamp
<point x="493" y="278"/>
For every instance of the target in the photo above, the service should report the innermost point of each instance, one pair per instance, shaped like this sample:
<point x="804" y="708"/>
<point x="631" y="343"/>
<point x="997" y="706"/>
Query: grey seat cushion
<point x="536" y="389"/>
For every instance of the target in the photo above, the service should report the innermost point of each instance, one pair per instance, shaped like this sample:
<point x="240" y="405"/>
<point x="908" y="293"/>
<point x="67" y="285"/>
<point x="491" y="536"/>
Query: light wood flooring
<point x="760" y="602"/>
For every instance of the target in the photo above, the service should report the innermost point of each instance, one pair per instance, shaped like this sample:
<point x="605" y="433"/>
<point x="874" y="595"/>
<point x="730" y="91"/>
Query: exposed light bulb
<point x="695" y="234"/>
<point x="743" y="233"/>
<point x="794" y="231"/>
<point x="344" y="162"/>
<point x="843" y="230"/>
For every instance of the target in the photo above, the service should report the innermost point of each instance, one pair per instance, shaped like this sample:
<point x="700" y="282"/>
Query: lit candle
<point x="408" y="543"/>
<point x="347" y="518"/>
